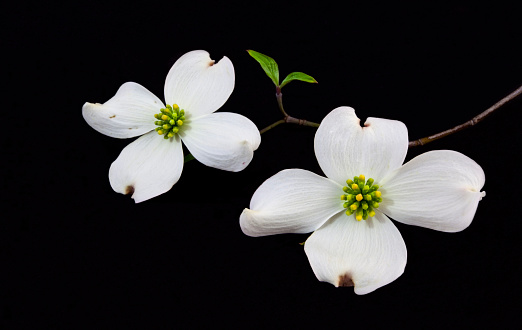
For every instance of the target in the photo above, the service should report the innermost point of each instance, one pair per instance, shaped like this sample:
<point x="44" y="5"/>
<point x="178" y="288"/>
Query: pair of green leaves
<point x="272" y="70"/>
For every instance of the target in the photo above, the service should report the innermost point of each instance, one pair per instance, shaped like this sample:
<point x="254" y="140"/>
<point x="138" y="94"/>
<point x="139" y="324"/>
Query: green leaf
<point x="268" y="64"/>
<point x="298" y="76"/>
<point x="188" y="158"/>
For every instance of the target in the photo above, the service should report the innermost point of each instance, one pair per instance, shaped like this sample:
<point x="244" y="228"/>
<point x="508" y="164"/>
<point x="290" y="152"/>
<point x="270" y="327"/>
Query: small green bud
<point x="359" y="215"/>
<point x="365" y="189"/>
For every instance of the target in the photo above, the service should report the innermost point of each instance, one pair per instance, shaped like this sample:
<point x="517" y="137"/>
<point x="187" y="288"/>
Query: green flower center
<point x="170" y="120"/>
<point x="362" y="197"/>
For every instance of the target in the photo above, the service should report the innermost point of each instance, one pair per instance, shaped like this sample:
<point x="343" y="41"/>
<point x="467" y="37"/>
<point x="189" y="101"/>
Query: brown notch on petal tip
<point x="345" y="280"/>
<point x="211" y="63"/>
<point x="112" y="116"/>
<point x="129" y="190"/>
<point x="366" y="124"/>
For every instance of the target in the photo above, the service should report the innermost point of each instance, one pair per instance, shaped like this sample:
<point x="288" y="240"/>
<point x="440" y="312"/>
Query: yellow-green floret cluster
<point x="170" y="120"/>
<point x="362" y="197"/>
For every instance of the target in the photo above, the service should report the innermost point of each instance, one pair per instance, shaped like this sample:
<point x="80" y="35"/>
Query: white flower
<point x="195" y="87"/>
<point x="438" y="190"/>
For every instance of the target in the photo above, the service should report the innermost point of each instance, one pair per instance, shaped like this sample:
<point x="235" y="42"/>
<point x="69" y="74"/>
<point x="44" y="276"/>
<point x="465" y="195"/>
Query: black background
<point x="78" y="255"/>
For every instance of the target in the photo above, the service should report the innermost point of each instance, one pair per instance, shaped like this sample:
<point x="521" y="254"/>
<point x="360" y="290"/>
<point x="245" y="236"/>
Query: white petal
<point x="344" y="149"/>
<point x="147" y="167"/>
<point x="438" y="190"/>
<point x="127" y="114"/>
<point x="222" y="140"/>
<point x="197" y="85"/>
<point x="366" y="254"/>
<point x="292" y="201"/>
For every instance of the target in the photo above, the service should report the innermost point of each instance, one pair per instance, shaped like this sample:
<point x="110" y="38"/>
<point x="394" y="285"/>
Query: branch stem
<point x="287" y="118"/>
<point x="279" y="97"/>
<point x="269" y="127"/>
<point x="303" y="122"/>
<point x="475" y="120"/>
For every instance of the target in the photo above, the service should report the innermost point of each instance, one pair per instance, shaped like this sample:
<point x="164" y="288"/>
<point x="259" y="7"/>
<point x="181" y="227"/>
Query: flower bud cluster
<point x="170" y="120"/>
<point x="361" y="197"/>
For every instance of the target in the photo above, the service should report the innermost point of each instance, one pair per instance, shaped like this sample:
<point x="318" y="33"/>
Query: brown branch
<point x="287" y="118"/>
<point x="303" y="122"/>
<point x="475" y="120"/>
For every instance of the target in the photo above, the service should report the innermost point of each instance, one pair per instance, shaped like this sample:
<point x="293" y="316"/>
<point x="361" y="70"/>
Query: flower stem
<point x="475" y="120"/>
<point x="279" y="97"/>
<point x="269" y="127"/>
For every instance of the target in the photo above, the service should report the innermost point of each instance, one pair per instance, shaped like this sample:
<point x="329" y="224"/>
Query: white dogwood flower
<point x="195" y="88"/>
<point x="354" y="243"/>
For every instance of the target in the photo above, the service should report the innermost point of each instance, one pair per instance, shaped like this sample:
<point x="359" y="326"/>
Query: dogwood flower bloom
<point x="354" y="243"/>
<point x="195" y="88"/>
